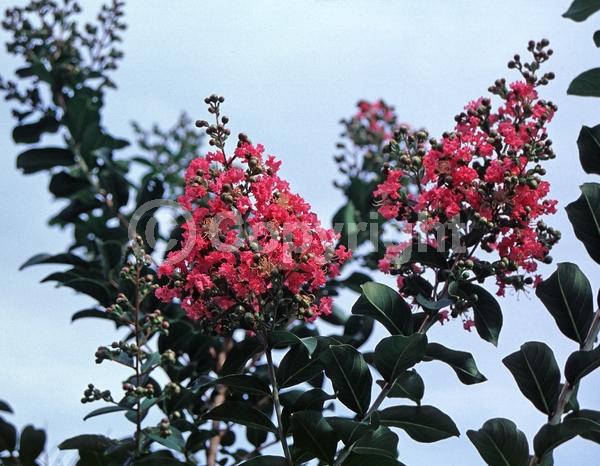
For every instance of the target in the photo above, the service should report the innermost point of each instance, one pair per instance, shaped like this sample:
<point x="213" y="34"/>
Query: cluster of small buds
<point x="155" y="322"/>
<point x="217" y="132"/>
<point x="541" y="53"/>
<point x="92" y="393"/>
<point x="173" y="388"/>
<point x="168" y="357"/>
<point x="165" y="428"/>
<point x="139" y="391"/>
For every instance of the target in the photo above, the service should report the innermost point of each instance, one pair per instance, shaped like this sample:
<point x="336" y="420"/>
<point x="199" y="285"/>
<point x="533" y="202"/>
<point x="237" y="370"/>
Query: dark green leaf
<point x="245" y="383"/>
<point x="581" y="363"/>
<point x="386" y="306"/>
<point x="590" y="423"/>
<point x="396" y="354"/>
<point x="350" y="376"/>
<point x="584" y="215"/>
<point x="588" y="143"/>
<point x="266" y="461"/>
<point x="536" y="373"/>
<point x="580" y="10"/>
<point x="86" y="442"/>
<point x="408" y="385"/>
<point x="347" y="430"/>
<point x="64" y="258"/>
<point x="35" y="160"/>
<point x="567" y="294"/>
<point x="551" y="436"/>
<point x="240" y="354"/>
<point x="31" y="444"/>
<point x="381" y="442"/>
<point x="422" y="423"/>
<point x="4" y="406"/>
<point x="8" y="436"/>
<point x="460" y="361"/>
<point x="297" y="366"/>
<point x="423" y="254"/>
<point x="311" y="400"/>
<point x="31" y="133"/>
<point x="94" y="313"/>
<point x="587" y="84"/>
<point x="174" y="441"/>
<point x="241" y="413"/>
<point x="368" y="460"/>
<point x="63" y="184"/>
<point x="487" y="313"/>
<point x="500" y="443"/>
<point x="106" y="410"/>
<point x="313" y="433"/>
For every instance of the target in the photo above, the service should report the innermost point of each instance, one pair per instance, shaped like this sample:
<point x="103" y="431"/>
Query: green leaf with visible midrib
<point x="386" y="306"/>
<point x="241" y="413"/>
<point x="350" y="376"/>
<point x="461" y="362"/>
<point x="500" y="443"/>
<point x="584" y="215"/>
<point x="567" y="294"/>
<point x="580" y="10"/>
<point x="422" y="423"/>
<point x="396" y="354"/>
<point x="537" y="375"/>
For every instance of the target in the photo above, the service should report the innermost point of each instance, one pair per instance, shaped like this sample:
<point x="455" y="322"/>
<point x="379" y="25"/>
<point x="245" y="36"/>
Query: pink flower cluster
<point x="258" y="256"/>
<point x="486" y="176"/>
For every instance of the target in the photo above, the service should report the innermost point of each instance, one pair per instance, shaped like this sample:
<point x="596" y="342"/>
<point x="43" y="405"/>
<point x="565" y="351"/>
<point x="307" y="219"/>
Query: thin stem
<point x="215" y="441"/>
<point x="277" y="404"/>
<point x="136" y="318"/>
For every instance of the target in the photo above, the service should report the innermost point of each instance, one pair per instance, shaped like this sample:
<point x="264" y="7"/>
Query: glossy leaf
<point x="241" y="413"/>
<point x="584" y="215"/>
<point x="35" y="160"/>
<point x="31" y="444"/>
<point x="580" y="10"/>
<point x="422" y="423"/>
<point x="313" y="433"/>
<point x="245" y="383"/>
<point x="297" y="366"/>
<point x="348" y="430"/>
<point x="396" y="354"/>
<point x="461" y="362"/>
<point x="500" y="443"/>
<point x="386" y="306"/>
<point x="551" y="436"/>
<point x="408" y="385"/>
<point x="587" y="84"/>
<point x="106" y="410"/>
<point x="536" y="373"/>
<point x="588" y="144"/>
<point x="381" y="442"/>
<point x="266" y="460"/>
<point x="567" y="294"/>
<point x="581" y="363"/>
<point x="487" y="313"/>
<point x="349" y="375"/>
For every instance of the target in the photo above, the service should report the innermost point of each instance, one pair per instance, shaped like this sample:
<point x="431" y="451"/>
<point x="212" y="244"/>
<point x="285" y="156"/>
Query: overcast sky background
<point x="290" y="70"/>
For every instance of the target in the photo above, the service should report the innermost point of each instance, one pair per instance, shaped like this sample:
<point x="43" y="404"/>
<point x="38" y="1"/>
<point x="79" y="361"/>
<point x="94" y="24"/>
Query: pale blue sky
<point x="289" y="71"/>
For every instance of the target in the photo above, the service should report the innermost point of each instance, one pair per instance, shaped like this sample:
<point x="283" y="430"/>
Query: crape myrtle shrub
<point x="225" y="319"/>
